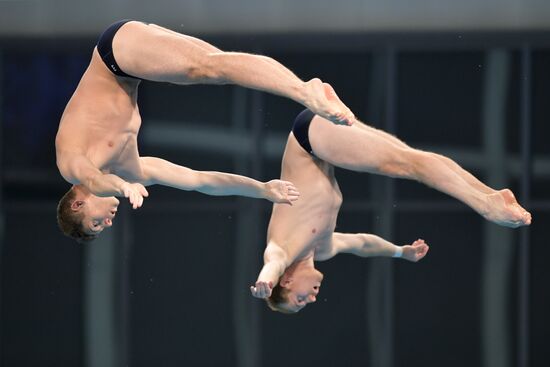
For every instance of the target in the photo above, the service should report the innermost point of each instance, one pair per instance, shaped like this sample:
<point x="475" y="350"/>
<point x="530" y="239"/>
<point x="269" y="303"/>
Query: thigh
<point x="354" y="147"/>
<point x="203" y="44"/>
<point x="382" y="134"/>
<point x="154" y="53"/>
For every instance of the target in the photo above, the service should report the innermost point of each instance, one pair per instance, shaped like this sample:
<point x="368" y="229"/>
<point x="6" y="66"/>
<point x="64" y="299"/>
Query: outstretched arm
<point x="162" y="172"/>
<point x="275" y="264"/>
<point x="369" y="245"/>
<point x="80" y="170"/>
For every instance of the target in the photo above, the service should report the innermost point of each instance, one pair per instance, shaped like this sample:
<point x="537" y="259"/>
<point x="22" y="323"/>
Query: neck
<point x="81" y="191"/>
<point x="303" y="263"/>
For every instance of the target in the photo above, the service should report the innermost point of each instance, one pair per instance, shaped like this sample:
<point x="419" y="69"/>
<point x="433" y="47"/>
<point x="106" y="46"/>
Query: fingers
<point x="135" y="194"/>
<point x="135" y="200"/>
<point x="143" y="190"/>
<point x="292" y="192"/>
<point x="416" y="251"/>
<point x="261" y="289"/>
<point x="257" y="292"/>
<point x="140" y="200"/>
<point x="283" y="192"/>
<point x="421" y="250"/>
<point x="292" y="198"/>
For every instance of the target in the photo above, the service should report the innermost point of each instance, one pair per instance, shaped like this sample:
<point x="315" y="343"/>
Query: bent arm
<point x="162" y="172"/>
<point x="275" y="264"/>
<point x="80" y="170"/>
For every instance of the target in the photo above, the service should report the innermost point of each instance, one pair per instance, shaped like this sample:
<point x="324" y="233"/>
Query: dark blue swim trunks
<point x="300" y="129"/>
<point x="105" y="48"/>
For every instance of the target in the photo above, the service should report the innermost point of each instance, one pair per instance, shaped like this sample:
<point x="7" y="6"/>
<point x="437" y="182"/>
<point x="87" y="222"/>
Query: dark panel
<point x="36" y="87"/>
<point x="41" y="293"/>
<point x="355" y="186"/>
<point x="180" y="289"/>
<point x="541" y="108"/>
<point x="540" y="297"/>
<point x="197" y="104"/>
<point x="539" y="189"/>
<point x="513" y="106"/>
<point x="440" y="98"/>
<point x="437" y="300"/>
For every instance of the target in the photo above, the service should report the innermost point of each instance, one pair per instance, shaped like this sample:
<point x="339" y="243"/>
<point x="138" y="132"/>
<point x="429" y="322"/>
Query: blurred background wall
<point x="168" y="284"/>
<point x="69" y="17"/>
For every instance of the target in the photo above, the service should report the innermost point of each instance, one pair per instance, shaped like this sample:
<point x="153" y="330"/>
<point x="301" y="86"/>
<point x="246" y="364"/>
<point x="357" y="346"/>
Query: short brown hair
<point x="278" y="299"/>
<point x="69" y="221"/>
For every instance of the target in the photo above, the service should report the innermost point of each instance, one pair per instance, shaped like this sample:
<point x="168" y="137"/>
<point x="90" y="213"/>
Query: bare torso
<point x="307" y="226"/>
<point x="101" y="122"/>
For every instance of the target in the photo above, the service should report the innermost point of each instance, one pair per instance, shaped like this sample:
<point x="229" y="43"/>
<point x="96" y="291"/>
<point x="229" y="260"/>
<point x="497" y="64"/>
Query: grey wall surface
<point x="68" y="17"/>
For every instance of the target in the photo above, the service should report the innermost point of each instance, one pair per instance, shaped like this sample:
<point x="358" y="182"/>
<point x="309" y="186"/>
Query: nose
<point x="108" y="222"/>
<point x="312" y="299"/>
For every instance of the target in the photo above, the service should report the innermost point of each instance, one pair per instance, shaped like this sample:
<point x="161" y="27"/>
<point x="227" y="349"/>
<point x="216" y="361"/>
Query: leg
<point x="209" y="48"/>
<point x="170" y="57"/>
<point x="466" y="176"/>
<point x="360" y="149"/>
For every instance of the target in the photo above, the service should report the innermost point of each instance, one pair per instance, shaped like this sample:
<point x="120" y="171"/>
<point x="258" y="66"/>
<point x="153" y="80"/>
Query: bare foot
<point x="504" y="210"/>
<point x="323" y="101"/>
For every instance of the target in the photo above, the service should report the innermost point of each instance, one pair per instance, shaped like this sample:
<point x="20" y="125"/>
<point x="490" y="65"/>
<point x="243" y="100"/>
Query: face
<point x="98" y="213"/>
<point x="303" y="288"/>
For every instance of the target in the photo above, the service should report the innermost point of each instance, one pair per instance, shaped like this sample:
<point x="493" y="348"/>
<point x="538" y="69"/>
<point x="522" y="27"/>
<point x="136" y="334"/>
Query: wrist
<point x="301" y="93"/>
<point x="265" y="190"/>
<point x="122" y="188"/>
<point x="398" y="252"/>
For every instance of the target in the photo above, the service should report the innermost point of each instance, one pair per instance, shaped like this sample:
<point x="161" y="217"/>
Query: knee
<point x="206" y="68"/>
<point x="403" y="163"/>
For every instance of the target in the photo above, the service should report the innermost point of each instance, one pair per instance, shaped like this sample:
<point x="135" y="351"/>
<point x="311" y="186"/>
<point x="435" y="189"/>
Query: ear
<point x="285" y="280"/>
<point x="77" y="204"/>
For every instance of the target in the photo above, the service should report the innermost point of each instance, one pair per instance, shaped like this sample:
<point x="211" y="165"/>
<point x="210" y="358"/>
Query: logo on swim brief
<point x="113" y="67"/>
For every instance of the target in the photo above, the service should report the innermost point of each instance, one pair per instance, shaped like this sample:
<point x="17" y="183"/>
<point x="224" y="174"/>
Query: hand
<point x="282" y="192"/>
<point x="262" y="289"/>
<point x="135" y="192"/>
<point x="416" y="251"/>
<point x="322" y="100"/>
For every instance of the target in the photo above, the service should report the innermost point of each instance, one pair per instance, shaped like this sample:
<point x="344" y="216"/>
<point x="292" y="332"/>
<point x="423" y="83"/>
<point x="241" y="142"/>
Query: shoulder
<point x="65" y="164"/>
<point x="325" y="251"/>
<point x="337" y="243"/>
<point x="274" y="252"/>
<point x="76" y="167"/>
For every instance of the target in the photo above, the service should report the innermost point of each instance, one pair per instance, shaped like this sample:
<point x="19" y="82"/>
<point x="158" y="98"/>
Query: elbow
<point x="91" y="184"/>
<point x="369" y="244"/>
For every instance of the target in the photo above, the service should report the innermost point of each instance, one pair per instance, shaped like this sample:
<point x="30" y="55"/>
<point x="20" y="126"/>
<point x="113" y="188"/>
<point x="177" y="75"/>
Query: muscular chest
<point x="117" y="154"/>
